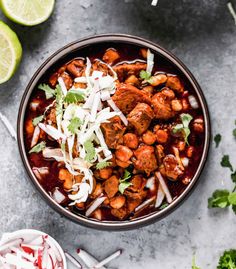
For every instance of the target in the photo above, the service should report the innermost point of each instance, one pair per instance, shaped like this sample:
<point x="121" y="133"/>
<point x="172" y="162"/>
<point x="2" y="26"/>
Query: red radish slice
<point x="164" y="187"/>
<point x="27" y="250"/>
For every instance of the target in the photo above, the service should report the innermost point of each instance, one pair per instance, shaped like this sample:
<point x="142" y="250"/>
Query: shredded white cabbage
<point x="150" y="61"/>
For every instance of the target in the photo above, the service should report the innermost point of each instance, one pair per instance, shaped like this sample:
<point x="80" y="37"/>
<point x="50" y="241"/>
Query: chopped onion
<point x="193" y="102"/>
<point x="150" y="61"/>
<point x="112" y="104"/>
<point x="52" y="131"/>
<point x="82" y="194"/>
<point x="63" y="86"/>
<point x="150" y="184"/>
<point x="95" y="205"/>
<point x="164" y="187"/>
<point x="145" y="203"/>
<point x="35" y="137"/>
<point x="40" y="172"/>
<point x="58" y="196"/>
<point x="160" y="196"/>
<point x="185" y="161"/>
<point x="154" y="2"/>
<point x="95" y="106"/>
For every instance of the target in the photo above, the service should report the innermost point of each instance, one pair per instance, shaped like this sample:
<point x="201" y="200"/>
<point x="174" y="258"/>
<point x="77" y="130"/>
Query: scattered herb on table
<point x="194" y="266"/>
<point x="225" y="162"/>
<point x="227" y="260"/>
<point x="217" y="139"/>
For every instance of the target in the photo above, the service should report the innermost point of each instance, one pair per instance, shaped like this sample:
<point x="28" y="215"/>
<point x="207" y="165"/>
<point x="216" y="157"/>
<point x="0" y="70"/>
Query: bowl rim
<point x="69" y="49"/>
<point x="6" y="237"/>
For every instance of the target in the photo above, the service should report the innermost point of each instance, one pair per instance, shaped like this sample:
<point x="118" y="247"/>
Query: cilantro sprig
<point x="194" y="266"/>
<point x="184" y="126"/>
<point x="49" y="92"/>
<point x="90" y="150"/>
<point x="103" y="165"/>
<point x="123" y="182"/>
<point x="37" y="120"/>
<point x="38" y="148"/>
<point x="74" y="96"/>
<point x="227" y="260"/>
<point x="74" y="125"/>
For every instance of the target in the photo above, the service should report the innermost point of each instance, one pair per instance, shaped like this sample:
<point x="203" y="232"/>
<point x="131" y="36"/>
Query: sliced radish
<point x="164" y="187"/>
<point x="94" y="206"/>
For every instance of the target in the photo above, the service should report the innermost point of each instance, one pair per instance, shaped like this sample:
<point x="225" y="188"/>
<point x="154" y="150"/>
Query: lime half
<point x="27" y="12"/>
<point x="10" y="52"/>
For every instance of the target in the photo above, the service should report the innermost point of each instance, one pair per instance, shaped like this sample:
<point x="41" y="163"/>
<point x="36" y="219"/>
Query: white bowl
<point x="30" y="234"/>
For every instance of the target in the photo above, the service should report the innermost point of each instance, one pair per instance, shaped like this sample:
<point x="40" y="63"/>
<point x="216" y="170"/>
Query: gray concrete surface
<point x="202" y="34"/>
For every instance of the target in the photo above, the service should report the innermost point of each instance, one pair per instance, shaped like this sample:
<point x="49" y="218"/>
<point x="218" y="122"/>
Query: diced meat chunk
<point x="111" y="186"/>
<point x="138" y="182"/>
<point x="146" y="160"/>
<point x="113" y="132"/>
<point x="127" y="97"/>
<point x="161" y="102"/>
<point x="172" y="169"/>
<point x="111" y="56"/>
<point x="174" y="83"/>
<point x="66" y="177"/>
<point x="118" y="201"/>
<point x="120" y="213"/>
<point x="134" y="199"/>
<point x="140" y="117"/>
<point x="126" y="69"/>
<point x="76" y="67"/>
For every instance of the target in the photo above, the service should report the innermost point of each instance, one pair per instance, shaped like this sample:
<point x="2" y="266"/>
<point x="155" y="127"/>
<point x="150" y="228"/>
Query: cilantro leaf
<point x="217" y="139"/>
<point x="232" y="198"/>
<point x="90" y="151"/>
<point x="74" y="96"/>
<point x="219" y="199"/>
<point x="102" y="165"/>
<point x="74" y="125"/>
<point x="38" y="148"/>
<point x="234" y="132"/>
<point x="225" y="162"/>
<point x="124" y="184"/>
<point x="227" y="260"/>
<point x="194" y="266"/>
<point x="145" y="75"/>
<point x="233" y="176"/>
<point x="184" y="126"/>
<point x="163" y="206"/>
<point x="49" y="92"/>
<point x="37" y="120"/>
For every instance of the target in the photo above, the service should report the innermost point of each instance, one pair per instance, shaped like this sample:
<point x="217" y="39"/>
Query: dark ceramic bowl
<point x="67" y="53"/>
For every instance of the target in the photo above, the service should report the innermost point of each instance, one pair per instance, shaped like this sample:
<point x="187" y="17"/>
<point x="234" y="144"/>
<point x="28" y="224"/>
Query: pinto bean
<point x="117" y="202"/>
<point x="161" y="136"/>
<point x="198" y="125"/>
<point x="123" y="164"/>
<point x="158" y="79"/>
<point x="67" y="177"/>
<point x="148" y="90"/>
<point x="105" y="173"/>
<point x="130" y="140"/>
<point x="132" y="80"/>
<point x="189" y="151"/>
<point x="110" y="56"/>
<point x="176" y="105"/>
<point x="97" y="191"/>
<point x="123" y="153"/>
<point x="149" y="138"/>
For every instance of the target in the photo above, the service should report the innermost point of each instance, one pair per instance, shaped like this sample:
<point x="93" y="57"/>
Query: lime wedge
<point x="27" y="12"/>
<point x="10" y="52"/>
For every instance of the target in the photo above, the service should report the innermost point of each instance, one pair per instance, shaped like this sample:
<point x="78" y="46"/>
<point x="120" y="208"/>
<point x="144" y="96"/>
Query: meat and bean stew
<point x="114" y="134"/>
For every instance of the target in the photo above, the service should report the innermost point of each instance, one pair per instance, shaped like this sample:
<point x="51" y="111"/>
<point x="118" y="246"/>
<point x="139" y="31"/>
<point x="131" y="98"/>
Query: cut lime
<point x="10" y="52"/>
<point x="27" y="12"/>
